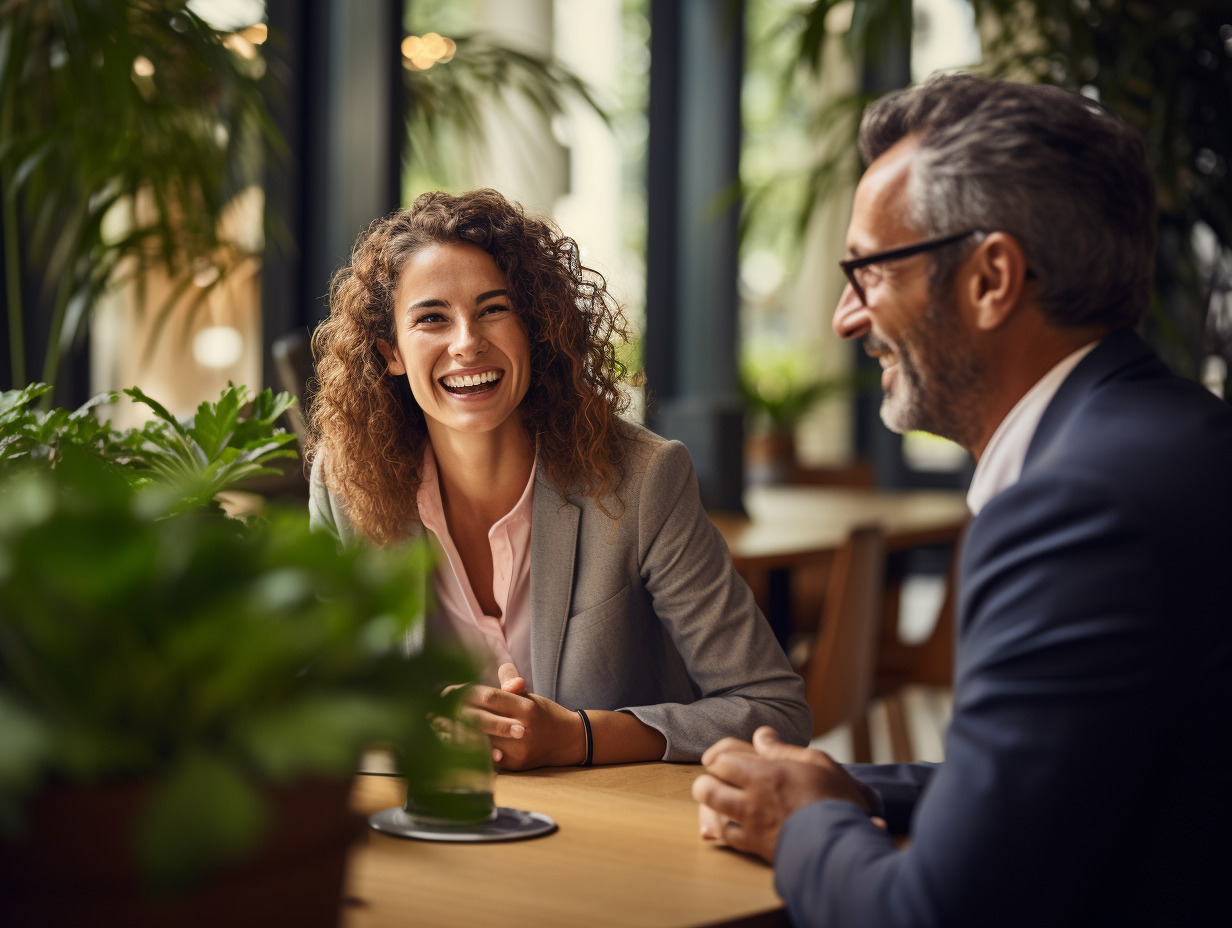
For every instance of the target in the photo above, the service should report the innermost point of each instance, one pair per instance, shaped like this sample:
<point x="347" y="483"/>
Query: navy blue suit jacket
<point x="1088" y="754"/>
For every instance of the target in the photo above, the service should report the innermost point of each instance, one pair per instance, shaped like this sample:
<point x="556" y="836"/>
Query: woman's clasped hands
<point x="525" y="729"/>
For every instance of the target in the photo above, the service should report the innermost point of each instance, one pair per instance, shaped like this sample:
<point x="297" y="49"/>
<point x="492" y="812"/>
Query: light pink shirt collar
<point x="1001" y="463"/>
<point x="493" y="640"/>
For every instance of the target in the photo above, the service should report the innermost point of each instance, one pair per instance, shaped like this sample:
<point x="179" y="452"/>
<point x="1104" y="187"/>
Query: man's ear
<point x="996" y="275"/>
<point x="390" y="354"/>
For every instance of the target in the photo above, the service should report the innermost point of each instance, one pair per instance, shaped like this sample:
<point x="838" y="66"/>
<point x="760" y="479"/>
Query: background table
<point x="787" y="524"/>
<point x="793" y="528"/>
<point x="627" y="852"/>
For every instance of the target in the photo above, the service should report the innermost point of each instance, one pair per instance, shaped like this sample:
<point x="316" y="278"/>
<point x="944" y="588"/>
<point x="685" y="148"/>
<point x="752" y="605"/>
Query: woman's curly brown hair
<point x="365" y="424"/>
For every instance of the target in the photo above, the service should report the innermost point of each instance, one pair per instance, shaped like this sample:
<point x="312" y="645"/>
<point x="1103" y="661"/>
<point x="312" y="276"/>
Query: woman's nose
<point x="468" y="340"/>
<point x="852" y="318"/>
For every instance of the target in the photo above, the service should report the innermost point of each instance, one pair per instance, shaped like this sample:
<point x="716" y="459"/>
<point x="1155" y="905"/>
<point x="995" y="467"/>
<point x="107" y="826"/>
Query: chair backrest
<point x="292" y="353"/>
<point x="925" y="663"/>
<point x="934" y="660"/>
<point x="839" y="673"/>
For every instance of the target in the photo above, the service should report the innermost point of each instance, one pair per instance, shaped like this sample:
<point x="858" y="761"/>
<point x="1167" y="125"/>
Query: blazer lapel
<point x="553" y="544"/>
<point x="1117" y="351"/>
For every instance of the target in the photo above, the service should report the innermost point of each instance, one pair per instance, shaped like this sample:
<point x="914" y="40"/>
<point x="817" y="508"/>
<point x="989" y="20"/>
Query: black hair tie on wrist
<point x="590" y="741"/>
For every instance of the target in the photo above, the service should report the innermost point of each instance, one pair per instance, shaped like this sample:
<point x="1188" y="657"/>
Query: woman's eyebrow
<point x="489" y="294"/>
<point x="431" y="301"/>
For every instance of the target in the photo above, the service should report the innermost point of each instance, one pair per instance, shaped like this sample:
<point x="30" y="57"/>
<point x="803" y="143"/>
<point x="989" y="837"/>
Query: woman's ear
<point x="997" y="272"/>
<point x="390" y="354"/>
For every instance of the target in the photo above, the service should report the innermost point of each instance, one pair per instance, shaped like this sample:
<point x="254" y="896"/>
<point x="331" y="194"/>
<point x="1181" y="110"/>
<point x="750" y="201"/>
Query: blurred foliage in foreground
<point x="145" y="636"/>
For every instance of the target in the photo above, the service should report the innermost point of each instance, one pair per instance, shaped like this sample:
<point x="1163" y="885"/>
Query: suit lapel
<point x="553" y="545"/>
<point x="1118" y="350"/>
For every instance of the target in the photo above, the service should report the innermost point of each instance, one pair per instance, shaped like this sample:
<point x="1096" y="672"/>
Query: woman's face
<point x="458" y="341"/>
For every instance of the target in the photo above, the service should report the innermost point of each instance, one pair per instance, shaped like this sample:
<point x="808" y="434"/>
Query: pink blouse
<point x="494" y="640"/>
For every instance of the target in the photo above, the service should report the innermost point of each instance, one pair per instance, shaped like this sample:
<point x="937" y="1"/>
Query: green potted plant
<point x="778" y="393"/>
<point x="183" y="695"/>
<point x="130" y="128"/>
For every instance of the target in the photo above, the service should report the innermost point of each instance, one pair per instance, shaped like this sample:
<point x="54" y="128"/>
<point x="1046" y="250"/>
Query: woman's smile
<point x="470" y="383"/>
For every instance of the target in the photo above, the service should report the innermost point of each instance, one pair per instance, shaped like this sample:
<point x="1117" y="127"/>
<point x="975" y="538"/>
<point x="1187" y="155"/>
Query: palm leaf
<point x="445" y="104"/>
<point x="85" y="132"/>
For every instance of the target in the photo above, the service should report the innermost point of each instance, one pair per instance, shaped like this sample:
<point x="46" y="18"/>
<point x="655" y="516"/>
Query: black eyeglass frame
<point x="851" y="265"/>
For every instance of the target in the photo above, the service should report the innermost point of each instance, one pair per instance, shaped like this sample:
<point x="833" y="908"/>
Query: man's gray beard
<point x="938" y="379"/>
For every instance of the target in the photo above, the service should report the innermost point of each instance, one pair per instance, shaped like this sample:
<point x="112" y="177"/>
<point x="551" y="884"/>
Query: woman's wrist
<point x="590" y="739"/>
<point x="616" y="737"/>
<point x="570" y="748"/>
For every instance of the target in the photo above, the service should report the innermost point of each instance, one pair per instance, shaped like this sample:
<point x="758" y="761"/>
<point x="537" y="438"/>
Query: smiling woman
<point x="469" y="388"/>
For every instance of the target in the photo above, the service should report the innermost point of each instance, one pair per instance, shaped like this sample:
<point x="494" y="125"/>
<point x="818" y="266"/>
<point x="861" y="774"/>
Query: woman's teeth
<point x="471" y="383"/>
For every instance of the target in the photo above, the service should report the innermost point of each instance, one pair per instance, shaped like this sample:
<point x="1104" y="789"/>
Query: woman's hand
<point x="526" y="730"/>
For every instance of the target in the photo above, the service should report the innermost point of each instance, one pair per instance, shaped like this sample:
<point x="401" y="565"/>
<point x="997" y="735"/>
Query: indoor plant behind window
<point x="777" y="394"/>
<point x="184" y="696"/>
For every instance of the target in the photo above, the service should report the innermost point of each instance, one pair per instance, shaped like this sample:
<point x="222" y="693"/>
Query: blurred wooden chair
<point x="900" y="665"/>
<point x="839" y="669"/>
<point x="292" y="354"/>
<point x="807" y="593"/>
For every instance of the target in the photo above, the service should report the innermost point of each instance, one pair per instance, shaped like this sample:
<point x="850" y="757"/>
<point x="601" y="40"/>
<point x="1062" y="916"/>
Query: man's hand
<point x="749" y="791"/>
<point x="526" y="730"/>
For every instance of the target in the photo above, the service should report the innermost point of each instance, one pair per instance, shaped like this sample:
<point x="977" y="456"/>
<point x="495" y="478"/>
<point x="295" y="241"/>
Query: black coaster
<point x="509" y="825"/>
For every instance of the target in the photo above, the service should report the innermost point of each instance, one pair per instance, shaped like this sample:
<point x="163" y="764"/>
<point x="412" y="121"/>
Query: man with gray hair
<point x="1000" y="252"/>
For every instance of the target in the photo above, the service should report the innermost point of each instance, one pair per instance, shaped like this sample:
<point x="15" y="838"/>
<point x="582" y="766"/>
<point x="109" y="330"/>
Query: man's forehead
<point x="880" y="206"/>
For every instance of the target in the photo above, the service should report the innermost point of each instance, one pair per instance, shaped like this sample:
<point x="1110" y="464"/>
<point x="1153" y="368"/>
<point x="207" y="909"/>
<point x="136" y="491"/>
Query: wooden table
<point x="786" y="525"/>
<point x="627" y="852"/>
<point x="792" y="527"/>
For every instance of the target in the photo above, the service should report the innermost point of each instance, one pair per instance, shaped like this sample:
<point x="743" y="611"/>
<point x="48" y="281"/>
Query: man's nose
<point x="851" y="317"/>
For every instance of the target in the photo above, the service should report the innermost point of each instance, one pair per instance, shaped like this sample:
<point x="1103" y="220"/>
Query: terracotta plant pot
<point x="75" y="864"/>
<point x="770" y="457"/>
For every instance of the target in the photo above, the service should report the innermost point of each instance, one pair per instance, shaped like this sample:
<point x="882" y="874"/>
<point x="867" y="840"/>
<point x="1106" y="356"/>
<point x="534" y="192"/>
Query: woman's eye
<point x="498" y="308"/>
<point x="428" y="318"/>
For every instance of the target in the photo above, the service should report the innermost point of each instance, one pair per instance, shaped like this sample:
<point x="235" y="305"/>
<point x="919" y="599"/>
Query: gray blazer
<point x="644" y="614"/>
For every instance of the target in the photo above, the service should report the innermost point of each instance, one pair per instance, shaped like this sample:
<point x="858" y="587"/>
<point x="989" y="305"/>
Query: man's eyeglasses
<point x="857" y="269"/>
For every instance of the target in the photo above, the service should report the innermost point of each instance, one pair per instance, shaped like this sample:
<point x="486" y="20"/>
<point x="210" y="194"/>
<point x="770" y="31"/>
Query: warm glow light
<point x="205" y="274"/>
<point x="240" y="45"/>
<point x="143" y="66"/>
<point x="422" y="53"/>
<point x="217" y="346"/>
<point x="433" y="45"/>
<point x="256" y="34"/>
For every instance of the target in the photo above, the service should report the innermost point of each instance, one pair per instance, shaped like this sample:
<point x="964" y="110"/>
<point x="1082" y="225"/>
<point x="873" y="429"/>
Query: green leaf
<point x="214" y="423"/>
<point x="11" y="400"/>
<point x="321" y="734"/>
<point x="159" y="409"/>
